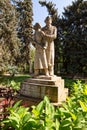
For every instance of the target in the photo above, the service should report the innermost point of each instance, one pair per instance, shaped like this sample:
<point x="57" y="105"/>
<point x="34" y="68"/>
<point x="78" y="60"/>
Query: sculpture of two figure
<point x="44" y="44"/>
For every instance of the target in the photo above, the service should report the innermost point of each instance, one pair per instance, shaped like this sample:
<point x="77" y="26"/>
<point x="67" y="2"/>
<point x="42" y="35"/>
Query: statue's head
<point x="37" y="26"/>
<point x="48" y="19"/>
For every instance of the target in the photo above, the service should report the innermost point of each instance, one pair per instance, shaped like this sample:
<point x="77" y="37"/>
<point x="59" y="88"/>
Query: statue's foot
<point x="51" y="74"/>
<point x="47" y="74"/>
<point x="36" y="73"/>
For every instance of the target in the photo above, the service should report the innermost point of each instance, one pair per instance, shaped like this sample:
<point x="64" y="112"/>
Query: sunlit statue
<point x="44" y="44"/>
<point x="50" y="34"/>
<point x="40" y="60"/>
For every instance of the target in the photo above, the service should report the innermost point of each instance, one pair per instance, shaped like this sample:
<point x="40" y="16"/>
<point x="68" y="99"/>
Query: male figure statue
<point x="50" y="34"/>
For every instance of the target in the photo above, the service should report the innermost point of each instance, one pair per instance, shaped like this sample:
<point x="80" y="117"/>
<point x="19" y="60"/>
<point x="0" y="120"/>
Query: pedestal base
<point x="51" y="86"/>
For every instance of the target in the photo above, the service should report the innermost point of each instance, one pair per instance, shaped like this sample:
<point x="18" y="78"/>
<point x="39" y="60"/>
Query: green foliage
<point x="15" y="33"/>
<point x="12" y="70"/>
<point x="14" y="85"/>
<point x="24" y="8"/>
<point x="40" y="118"/>
<point x="44" y="114"/>
<point x="9" y="42"/>
<point x="51" y="9"/>
<point x="6" y="80"/>
<point x="32" y="53"/>
<point x="18" y="118"/>
<point x="72" y="115"/>
<point x="69" y="83"/>
<point x="73" y="30"/>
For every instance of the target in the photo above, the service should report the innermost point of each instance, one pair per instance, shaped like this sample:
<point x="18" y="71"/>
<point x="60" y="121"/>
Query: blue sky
<point x="40" y="13"/>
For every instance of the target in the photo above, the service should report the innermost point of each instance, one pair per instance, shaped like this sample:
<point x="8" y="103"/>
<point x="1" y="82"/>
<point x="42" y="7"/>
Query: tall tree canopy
<point x="15" y="31"/>
<point x="74" y="34"/>
<point x="25" y="28"/>
<point x="9" y="42"/>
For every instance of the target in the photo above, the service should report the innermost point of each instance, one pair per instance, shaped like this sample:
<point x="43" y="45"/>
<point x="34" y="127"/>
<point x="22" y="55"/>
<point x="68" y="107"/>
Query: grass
<point x="6" y="79"/>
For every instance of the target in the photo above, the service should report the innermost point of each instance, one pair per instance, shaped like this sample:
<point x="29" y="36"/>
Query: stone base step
<point x="40" y="86"/>
<point x="46" y="80"/>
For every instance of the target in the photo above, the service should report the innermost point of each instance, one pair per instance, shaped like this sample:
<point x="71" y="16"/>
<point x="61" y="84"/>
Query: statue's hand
<point x="42" y="33"/>
<point x="45" y="47"/>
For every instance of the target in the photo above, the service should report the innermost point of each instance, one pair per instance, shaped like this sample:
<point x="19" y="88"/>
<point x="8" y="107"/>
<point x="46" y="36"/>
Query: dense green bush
<point x="72" y="115"/>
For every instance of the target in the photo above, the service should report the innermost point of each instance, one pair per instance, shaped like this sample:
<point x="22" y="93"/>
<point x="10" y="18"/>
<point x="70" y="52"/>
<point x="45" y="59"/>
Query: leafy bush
<point x="72" y="115"/>
<point x="12" y="70"/>
<point x="15" y="85"/>
<point x="6" y="79"/>
<point x="18" y="117"/>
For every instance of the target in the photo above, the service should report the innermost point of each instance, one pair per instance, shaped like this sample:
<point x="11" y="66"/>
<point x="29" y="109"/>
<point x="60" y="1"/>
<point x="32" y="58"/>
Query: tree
<point x="74" y="35"/>
<point x="51" y="10"/>
<point x="9" y="42"/>
<point x="25" y="29"/>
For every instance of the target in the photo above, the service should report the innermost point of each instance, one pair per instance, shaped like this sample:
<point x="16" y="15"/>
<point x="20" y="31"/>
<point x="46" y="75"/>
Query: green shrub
<point x="72" y="115"/>
<point x="12" y="70"/>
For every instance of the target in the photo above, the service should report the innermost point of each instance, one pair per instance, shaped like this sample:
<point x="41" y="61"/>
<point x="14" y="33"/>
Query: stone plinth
<point x="40" y="86"/>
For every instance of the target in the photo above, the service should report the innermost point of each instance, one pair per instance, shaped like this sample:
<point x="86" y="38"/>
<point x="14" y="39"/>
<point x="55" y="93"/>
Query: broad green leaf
<point x="40" y="106"/>
<point x="57" y="124"/>
<point x="66" y="122"/>
<point x="73" y="116"/>
<point x="26" y="118"/>
<point x="16" y="105"/>
<point x="35" y="112"/>
<point x="84" y="107"/>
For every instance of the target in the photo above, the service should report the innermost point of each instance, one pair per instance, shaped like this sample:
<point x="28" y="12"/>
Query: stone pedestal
<point x="40" y="86"/>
